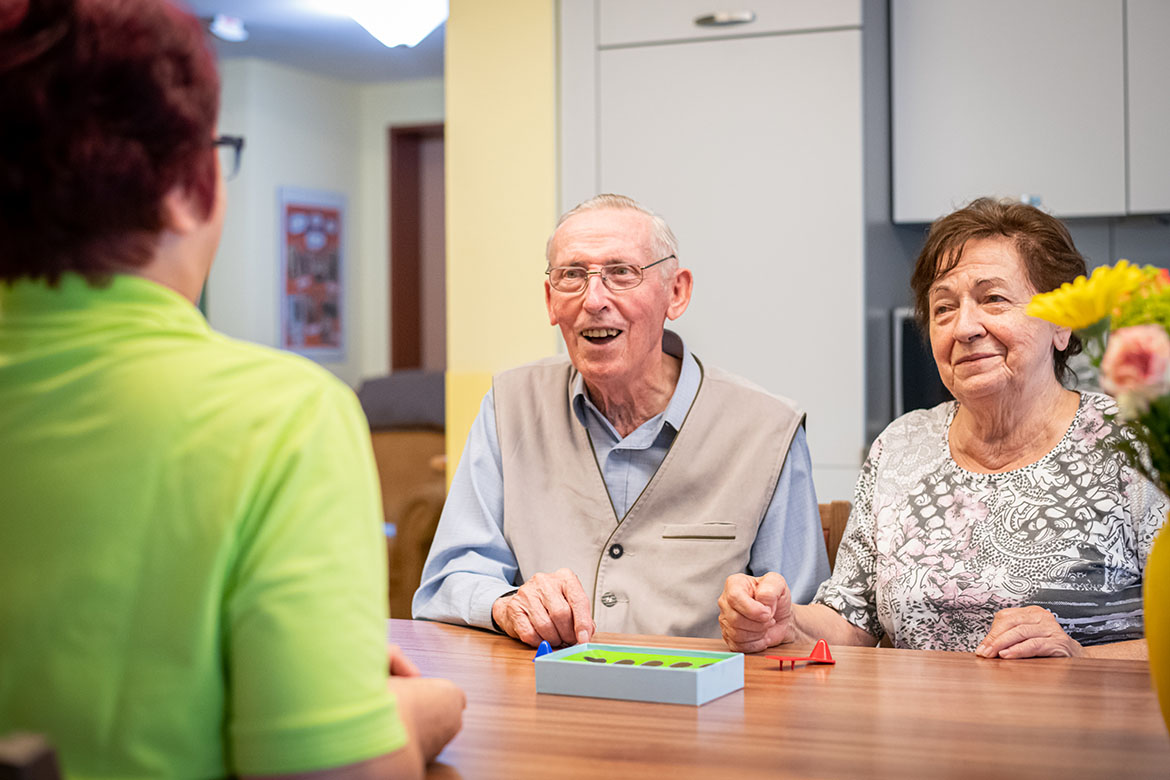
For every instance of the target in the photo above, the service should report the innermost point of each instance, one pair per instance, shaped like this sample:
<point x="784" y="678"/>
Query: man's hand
<point x="549" y="607"/>
<point x="1027" y="632"/>
<point x="756" y="612"/>
<point x="399" y="664"/>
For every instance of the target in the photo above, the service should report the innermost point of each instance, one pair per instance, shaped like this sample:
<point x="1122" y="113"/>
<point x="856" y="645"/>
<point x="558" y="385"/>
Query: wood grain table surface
<point x="878" y="712"/>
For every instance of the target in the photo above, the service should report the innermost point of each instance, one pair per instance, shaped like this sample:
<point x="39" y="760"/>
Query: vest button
<point x="608" y="599"/>
<point x="615" y="551"/>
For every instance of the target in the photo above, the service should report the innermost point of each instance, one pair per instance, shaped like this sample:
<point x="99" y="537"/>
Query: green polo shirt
<point x="192" y="574"/>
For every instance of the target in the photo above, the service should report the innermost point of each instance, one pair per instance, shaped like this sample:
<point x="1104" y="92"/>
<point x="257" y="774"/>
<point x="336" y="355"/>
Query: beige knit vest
<point x="661" y="568"/>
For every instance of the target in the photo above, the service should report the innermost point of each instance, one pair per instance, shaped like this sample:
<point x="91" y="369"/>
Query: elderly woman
<point x="191" y="574"/>
<point x="1001" y="522"/>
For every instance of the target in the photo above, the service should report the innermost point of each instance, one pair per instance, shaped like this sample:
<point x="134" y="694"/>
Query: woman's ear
<point x="1060" y="338"/>
<point x="180" y="211"/>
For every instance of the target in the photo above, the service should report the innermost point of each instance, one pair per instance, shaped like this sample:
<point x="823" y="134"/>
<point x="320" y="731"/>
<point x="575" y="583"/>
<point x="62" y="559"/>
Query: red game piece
<point x="820" y="655"/>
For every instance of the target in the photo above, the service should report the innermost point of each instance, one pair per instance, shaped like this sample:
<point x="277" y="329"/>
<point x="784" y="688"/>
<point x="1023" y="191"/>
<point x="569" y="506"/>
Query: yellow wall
<point x="501" y="195"/>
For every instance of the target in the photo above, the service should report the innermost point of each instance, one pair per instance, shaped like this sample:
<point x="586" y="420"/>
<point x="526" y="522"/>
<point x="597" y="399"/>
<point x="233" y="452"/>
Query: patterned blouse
<point x="932" y="551"/>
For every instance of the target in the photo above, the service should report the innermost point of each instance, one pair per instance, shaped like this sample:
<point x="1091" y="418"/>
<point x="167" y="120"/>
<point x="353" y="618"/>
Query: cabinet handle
<point x="725" y="18"/>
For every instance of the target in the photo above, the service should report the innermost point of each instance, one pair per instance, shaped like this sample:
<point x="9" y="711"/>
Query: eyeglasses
<point x="617" y="277"/>
<point x="230" y="148"/>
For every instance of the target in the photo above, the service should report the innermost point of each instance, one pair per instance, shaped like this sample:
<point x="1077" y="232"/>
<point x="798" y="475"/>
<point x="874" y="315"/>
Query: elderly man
<point x="615" y="489"/>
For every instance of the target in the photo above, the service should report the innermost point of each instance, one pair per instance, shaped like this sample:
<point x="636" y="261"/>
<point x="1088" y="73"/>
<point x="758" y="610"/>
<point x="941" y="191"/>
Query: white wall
<point x="307" y="131"/>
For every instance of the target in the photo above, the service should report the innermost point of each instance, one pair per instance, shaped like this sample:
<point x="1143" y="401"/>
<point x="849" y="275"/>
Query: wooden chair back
<point x="407" y="552"/>
<point x="834" y="516"/>
<point x="413" y="489"/>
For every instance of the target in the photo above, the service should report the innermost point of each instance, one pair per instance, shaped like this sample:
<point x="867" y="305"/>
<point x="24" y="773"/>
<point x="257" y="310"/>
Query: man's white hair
<point x="662" y="240"/>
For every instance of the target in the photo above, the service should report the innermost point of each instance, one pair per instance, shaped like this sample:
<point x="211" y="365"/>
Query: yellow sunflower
<point x="1084" y="302"/>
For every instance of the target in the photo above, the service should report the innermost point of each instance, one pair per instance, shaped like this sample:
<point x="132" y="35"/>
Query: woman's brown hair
<point x="1044" y="245"/>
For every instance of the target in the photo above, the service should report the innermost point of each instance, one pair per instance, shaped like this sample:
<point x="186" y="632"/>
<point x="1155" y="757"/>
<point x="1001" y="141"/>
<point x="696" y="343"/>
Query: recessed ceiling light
<point x="228" y="28"/>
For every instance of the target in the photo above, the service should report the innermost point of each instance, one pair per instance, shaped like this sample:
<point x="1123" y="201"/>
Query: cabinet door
<point x="626" y="22"/>
<point x="751" y="150"/>
<point x="1148" y="53"/>
<point x="1007" y="98"/>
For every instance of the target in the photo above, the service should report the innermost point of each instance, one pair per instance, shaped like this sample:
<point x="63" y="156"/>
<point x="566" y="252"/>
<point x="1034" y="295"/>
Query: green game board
<point x="640" y="659"/>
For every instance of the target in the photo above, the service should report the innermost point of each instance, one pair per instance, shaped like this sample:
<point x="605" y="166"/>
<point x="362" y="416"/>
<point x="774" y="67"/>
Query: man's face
<point x="613" y="338"/>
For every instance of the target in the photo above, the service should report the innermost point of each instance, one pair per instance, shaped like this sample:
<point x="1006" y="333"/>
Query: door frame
<point x="405" y="218"/>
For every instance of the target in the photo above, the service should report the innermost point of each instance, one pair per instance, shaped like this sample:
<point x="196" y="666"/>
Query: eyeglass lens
<point x="616" y="277"/>
<point x="229" y="148"/>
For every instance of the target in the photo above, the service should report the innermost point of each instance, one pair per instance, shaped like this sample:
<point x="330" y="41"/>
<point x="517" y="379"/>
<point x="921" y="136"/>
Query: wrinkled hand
<point x="549" y="607"/>
<point x="755" y="612"/>
<point x="400" y="665"/>
<point x="1027" y="632"/>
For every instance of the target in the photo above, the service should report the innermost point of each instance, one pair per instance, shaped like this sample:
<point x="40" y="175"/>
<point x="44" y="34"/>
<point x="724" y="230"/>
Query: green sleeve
<point x="306" y="604"/>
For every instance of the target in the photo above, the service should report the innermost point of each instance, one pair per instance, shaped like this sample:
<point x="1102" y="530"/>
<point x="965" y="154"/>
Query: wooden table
<point x="877" y="713"/>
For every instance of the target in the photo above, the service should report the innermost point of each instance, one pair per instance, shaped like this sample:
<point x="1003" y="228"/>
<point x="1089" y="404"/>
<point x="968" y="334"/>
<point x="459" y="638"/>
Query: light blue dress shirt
<point x="470" y="564"/>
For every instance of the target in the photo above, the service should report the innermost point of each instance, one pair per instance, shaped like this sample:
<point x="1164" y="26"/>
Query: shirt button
<point x="608" y="599"/>
<point x="615" y="551"/>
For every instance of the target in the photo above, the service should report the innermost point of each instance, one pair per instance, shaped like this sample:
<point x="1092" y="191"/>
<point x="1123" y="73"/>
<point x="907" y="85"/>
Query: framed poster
<point x="312" y="284"/>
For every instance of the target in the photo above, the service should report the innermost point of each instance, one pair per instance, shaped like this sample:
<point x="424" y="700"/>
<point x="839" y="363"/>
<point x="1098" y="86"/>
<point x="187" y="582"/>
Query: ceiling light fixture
<point x="399" y="23"/>
<point x="228" y="28"/>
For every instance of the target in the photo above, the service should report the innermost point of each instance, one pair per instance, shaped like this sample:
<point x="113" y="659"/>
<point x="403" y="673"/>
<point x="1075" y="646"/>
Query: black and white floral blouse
<point x="932" y="551"/>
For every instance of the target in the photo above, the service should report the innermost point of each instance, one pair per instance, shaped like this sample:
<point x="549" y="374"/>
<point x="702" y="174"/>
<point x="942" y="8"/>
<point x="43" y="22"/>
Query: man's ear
<point x="552" y="317"/>
<point x="180" y="212"/>
<point x="680" y="293"/>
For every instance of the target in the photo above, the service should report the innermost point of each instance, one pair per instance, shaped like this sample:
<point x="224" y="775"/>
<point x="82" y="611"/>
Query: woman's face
<point x="985" y="347"/>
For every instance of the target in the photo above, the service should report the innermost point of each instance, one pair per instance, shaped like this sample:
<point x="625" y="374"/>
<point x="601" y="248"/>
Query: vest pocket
<point x="712" y="531"/>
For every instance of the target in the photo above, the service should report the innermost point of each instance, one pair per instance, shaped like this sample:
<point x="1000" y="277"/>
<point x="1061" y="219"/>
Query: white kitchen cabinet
<point x="1008" y="98"/>
<point x="1148" y="72"/>
<point x="622" y="22"/>
<point x="750" y="147"/>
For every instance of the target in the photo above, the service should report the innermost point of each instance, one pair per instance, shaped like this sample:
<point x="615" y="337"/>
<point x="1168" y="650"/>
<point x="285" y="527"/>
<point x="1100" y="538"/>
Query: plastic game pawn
<point x="542" y="649"/>
<point x="820" y="655"/>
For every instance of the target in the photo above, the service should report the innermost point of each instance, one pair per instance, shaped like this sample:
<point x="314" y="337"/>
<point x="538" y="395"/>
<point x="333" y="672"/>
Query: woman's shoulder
<point x="1094" y="421"/>
<point x="919" y="435"/>
<point x="919" y="422"/>
<point x="1097" y="400"/>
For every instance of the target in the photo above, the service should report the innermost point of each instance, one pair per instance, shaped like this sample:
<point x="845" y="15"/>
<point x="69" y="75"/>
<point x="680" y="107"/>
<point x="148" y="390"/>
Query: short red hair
<point x="108" y="105"/>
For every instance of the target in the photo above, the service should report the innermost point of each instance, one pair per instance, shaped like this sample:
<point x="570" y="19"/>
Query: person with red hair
<point x="190" y="539"/>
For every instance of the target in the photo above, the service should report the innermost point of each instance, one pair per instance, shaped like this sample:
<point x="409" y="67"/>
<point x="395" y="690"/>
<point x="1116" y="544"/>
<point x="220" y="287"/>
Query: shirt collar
<point x="123" y="296"/>
<point x="689" y="379"/>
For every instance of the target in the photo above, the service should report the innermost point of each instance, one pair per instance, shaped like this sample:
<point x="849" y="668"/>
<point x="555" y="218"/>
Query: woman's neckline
<point x="1083" y="401"/>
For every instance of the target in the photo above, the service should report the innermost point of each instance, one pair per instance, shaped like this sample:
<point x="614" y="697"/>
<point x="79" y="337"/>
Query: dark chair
<point x="25" y="756"/>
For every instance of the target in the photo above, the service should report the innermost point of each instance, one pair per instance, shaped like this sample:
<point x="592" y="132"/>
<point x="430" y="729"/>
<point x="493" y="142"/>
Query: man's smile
<point x="600" y="335"/>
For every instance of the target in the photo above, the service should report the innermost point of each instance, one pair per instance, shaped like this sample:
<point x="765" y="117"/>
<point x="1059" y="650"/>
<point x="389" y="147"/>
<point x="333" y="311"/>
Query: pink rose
<point x="1136" y="360"/>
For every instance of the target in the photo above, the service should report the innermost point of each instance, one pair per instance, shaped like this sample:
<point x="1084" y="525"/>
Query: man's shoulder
<point x="554" y="367"/>
<point x="740" y="388"/>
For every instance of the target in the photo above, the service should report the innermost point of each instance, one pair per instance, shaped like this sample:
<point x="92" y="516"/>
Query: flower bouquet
<point x="1122" y="315"/>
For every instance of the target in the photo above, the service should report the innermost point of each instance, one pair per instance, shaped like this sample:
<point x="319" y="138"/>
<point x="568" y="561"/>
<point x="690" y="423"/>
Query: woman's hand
<point x="1027" y="632"/>
<point x="755" y="612"/>
<point x="432" y="711"/>
<point x="400" y="665"/>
